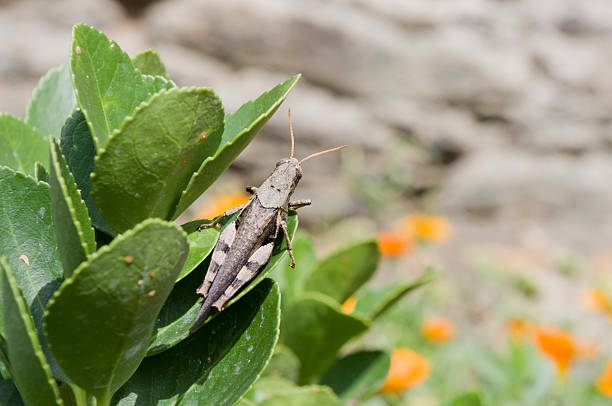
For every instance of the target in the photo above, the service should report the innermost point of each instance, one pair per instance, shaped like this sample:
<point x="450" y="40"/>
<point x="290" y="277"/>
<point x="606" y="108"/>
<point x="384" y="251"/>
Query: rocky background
<point x="496" y="113"/>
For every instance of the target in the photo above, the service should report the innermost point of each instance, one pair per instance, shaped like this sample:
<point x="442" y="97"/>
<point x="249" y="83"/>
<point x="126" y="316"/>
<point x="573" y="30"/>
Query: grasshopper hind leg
<point x="246" y="273"/>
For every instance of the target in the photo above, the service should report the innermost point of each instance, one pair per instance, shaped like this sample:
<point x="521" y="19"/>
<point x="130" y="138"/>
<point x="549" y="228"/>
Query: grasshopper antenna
<point x="291" y="132"/>
<point x="321" y="153"/>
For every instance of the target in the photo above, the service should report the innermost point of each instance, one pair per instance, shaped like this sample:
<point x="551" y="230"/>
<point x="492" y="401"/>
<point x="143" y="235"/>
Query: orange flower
<point x="426" y="227"/>
<point x="220" y="203"/>
<point x="518" y="328"/>
<point x="408" y="369"/>
<point x="604" y="382"/>
<point x="349" y="305"/>
<point x="438" y="329"/>
<point x="557" y="345"/>
<point x="393" y="243"/>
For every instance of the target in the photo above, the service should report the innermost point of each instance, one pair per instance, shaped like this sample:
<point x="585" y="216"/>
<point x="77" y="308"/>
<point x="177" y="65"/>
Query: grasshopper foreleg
<point x="283" y="225"/>
<point x="221" y="216"/>
<point x="299" y="203"/>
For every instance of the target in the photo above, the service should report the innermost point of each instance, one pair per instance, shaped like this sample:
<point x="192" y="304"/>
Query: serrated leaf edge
<point x="81" y="228"/>
<point x="29" y="126"/>
<point x="143" y="105"/>
<point x="178" y="208"/>
<point x="110" y="43"/>
<point x="101" y="251"/>
<point x="38" y="89"/>
<point x="30" y="328"/>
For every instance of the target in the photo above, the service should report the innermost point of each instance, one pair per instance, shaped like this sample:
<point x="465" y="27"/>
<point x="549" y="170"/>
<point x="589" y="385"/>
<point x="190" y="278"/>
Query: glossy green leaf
<point x="31" y="372"/>
<point x="79" y="149"/>
<point x="9" y="395"/>
<point x="240" y="128"/>
<point x="291" y="280"/>
<point x="271" y="391"/>
<point x="52" y="102"/>
<point x="358" y="375"/>
<point x="108" y="87"/>
<point x="344" y="271"/>
<point x="215" y="365"/>
<point x="110" y="304"/>
<point x="315" y="328"/>
<point x="201" y="244"/>
<point x="75" y="237"/>
<point x="27" y="239"/>
<point x="374" y="302"/>
<point x="149" y="160"/>
<point x="181" y="308"/>
<point x="283" y="364"/>
<point x="22" y="145"/>
<point x="148" y="62"/>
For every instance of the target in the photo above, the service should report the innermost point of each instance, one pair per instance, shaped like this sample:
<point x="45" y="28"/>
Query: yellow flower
<point x="438" y="329"/>
<point x="596" y="299"/>
<point x="604" y="382"/>
<point x="557" y="345"/>
<point x="426" y="227"/>
<point x="393" y="244"/>
<point x="349" y="305"/>
<point x="408" y="369"/>
<point x="220" y="203"/>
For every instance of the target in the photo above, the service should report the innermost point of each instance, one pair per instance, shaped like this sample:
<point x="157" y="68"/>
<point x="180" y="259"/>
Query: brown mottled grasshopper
<point x="246" y="244"/>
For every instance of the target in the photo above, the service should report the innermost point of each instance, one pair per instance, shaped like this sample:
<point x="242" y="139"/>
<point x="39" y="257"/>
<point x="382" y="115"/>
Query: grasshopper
<point x="246" y="244"/>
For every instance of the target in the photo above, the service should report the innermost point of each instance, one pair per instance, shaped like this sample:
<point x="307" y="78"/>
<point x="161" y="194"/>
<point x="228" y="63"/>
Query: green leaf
<point x="466" y="399"/>
<point x="40" y="173"/>
<point x="148" y="162"/>
<point x="110" y="304"/>
<point x="31" y="372"/>
<point x="344" y="271"/>
<point x="240" y="128"/>
<point x="358" y="375"/>
<point x="148" y="62"/>
<point x="291" y="281"/>
<point x="271" y="391"/>
<point x="75" y="237"/>
<point x="22" y="145"/>
<point x="80" y="151"/>
<point x="201" y="244"/>
<point x="52" y="101"/>
<point x="315" y="328"/>
<point x="27" y="239"/>
<point x="180" y="311"/>
<point x="215" y="365"/>
<point x="283" y="364"/>
<point x="374" y="302"/>
<point x="108" y="87"/>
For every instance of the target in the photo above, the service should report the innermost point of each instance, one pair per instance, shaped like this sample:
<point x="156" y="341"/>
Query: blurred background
<point x="489" y="121"/>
